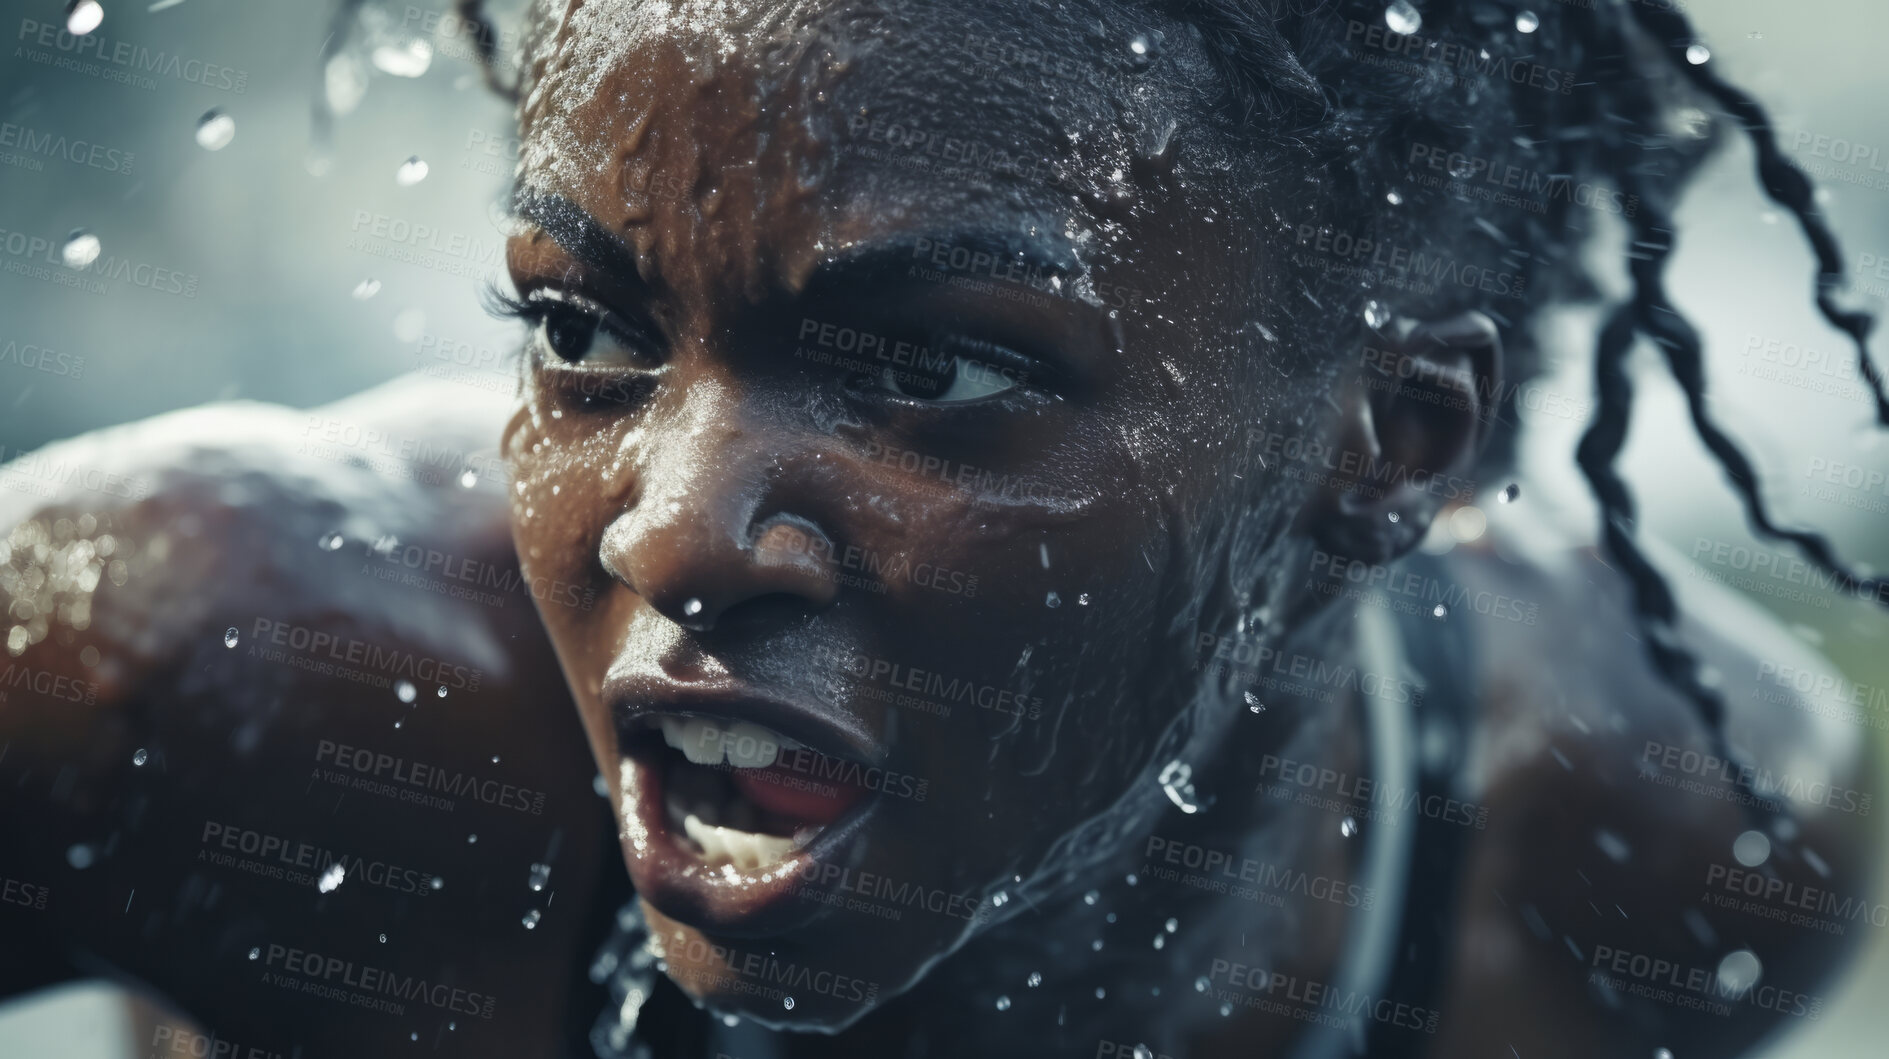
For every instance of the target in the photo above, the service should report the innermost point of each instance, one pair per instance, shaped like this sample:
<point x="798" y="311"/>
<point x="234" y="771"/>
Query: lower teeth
<point x="720" y="845"/>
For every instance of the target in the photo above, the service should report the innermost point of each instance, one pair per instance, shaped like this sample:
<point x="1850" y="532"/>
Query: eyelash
<point x="538" y="307"/>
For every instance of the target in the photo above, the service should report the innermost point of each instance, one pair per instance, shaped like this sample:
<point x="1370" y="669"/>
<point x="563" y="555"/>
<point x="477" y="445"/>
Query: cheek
<point x="568" y="483"/>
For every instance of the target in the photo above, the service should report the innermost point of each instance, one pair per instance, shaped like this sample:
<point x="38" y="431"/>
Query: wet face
<point x="885" y="380"/>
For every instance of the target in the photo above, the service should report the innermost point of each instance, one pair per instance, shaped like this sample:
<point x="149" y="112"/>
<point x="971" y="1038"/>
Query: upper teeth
<point x="743" y="745"/>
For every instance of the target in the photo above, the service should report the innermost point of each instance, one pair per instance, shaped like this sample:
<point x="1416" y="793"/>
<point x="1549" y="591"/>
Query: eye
<point x="946" y="374"/>
<point x="577" y="332"/>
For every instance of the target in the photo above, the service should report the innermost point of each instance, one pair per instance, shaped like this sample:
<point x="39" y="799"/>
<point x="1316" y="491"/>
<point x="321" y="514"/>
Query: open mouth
<point x="745" y="796"/>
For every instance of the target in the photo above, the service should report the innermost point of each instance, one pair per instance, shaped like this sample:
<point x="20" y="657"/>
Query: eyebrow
<point x="986" y="254"/>
<point x="577" y="233"/>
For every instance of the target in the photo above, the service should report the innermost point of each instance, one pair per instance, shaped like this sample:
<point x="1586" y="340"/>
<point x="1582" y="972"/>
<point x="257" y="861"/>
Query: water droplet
<point x="331" y="542"/>
<point x="366" y="289"/>
<point x="80" y="250"/>
<point x="494" y="759"/>
<point x="331" y="878"/>
<point x="1662" y="1053"/>
<point x="1090" y="897"/>
<point x="405" y="691"/>
<point x="1376" y="315"/>
<point x="1160" y="941"/>
<point x="1225" y="1010"/>
<point x="472" y="839"/>
<point x="383" y="939"/>
<point x="1738" y="972"/>
<point x="411" y="172"/>
<point x="442" y="692"/>
<point x="1035" y="979"/>
<point x="215" y="130"/>
<point x="1349" y="828"/>
<point x="1052" y="601"/>
<point x="1526" y="22"/>
<point x="691" y="606"/>
<point x="1171" y="925"/>
<point x="437" y="883"/>
<point x="1403" y="18"/>
<point x="1145" y="48"/>
<point x="731" y="1021"/>
<point x="1132" y="879"/>
<point x="1394" y="197"/>
<point x="81" y="855"/>
<point x="787" y="1002"/>
<point x="468" y="478"/>
<point x="1142" y="1051"/>
<point x="230" y="636"/>
<point x="1003" y="1003"/>
<point x="410" y="325"/>
<point x="1096" y="945"/>
<point x="1100" y="992"/>
<point x="407" y="58"/>
<point x="414" y="1036"/>
<point x="540" y="874"/>
<point x="255" y="954"/>
<point x="1176" y="780"/>
<point x="1509" y="494"/>
<point x="140" y="757"/>
<point x="1394" y="517"/>
<point x="1698" y="54"/>
<point x="1201" y="984"/>
<point x="531" y="919"/>
<point x="1440" y="611"/>
<point x="1751" y="848"/>
<point x="83" y="16"/>
<point x="402" y="723"/>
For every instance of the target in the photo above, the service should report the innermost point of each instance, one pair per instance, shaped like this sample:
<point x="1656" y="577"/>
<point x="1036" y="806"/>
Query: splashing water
<point x="1526" y="22"/>
<point x="230" y="637"/>
<point x="531" y="919"/>
<point x="540" y="874"/>
<point x="787" y="1002"/>
<point x="81" y="249"/>
<point x="140" y="757"/>
<point x="215" y="130"/>
<point x="1349" y="828"/>
<point x="1698" y="54"/>
<point x="411" y="172"/>
<point x="331" y="878"/>
<point x="83" y="16"/>
<point x="1176" y="781"/>
<point x="1402" y="18"/>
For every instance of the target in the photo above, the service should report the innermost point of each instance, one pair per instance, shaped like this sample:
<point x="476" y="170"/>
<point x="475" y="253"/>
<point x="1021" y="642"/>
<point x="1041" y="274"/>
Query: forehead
<point x="762" y="137"/>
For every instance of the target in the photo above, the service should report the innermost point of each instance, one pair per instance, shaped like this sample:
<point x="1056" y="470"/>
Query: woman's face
<point x="887" y="384"/>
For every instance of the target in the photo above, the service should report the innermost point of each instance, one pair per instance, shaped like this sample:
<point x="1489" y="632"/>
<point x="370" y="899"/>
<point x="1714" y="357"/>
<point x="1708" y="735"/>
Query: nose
<point x="713" y="531"/>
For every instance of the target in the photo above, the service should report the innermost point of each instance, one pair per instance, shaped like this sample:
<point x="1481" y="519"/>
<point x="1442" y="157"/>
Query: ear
<point x="1412" y="421"/>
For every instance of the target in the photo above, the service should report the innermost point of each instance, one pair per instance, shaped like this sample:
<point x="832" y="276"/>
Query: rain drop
<point x="405" y="691"/>
<point x="366" y="289"/>
<point x="1394" y="197"/>
<point x="1349" y="828"/>
<point x="531" y="919"/>
<point x="1662" y="1053"/>
<point x="1201" y="984"/>
<point x="1100" y="992"/>
<point x="1253" y="705"/>
<point x="1035" y="979"/>
<point x="1090" y="897"/>
<point x="692" y="606"/>
<point x="1225" y="1010"/>
<point x="1375" y="315"/>
<point x="1052" y="601"/>
<point x="437" y="882"/>
<point x="1698" y="54"/>
<point x="1509" y="494"/>
<point x="442" y="692"/>
<point x="1394" y="517"/>
<point x="332" y="542"/>
<point x="1142" y="1051"/>
<point x="230" y="636"/>
<point x="1526" y="22"/>
<point x="1402" y="18"/>
<point x="1176" y="781"/>
<point x="1003" y="1003"/>
<point x="215" y="130"/>
<point x="83" y="16"/>
<point x="1171" y="925"/>
<point x="408" y="58"/>
<point x="1738" y="972"/>
<point x="540" y="874"/>
<point x="1144" y="48"/>
<point x="411" y="172"/>
<point x="472" y="839"/>
<point x="255" y="954"/>
<point x="787" y="1002"/>
<point x="1439" y="612"/>
<point x="1751" y="848"/>
<point x="331" y="878"/>
<point x="383" y="939"/>
<point x="81" y="856"/>
<point x="468" y="478"/>
<point x="494" y="759"/>
<point x="140" y="757"/>
<point x="1082" y="600"/>
<point x="81" y="249"/>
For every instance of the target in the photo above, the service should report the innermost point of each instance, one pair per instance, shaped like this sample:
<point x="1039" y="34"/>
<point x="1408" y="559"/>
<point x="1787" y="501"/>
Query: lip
<point x="667" y="873"/>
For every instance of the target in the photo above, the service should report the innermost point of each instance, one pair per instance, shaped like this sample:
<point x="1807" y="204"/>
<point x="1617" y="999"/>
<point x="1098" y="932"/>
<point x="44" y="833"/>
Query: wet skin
<point x="710" y="463"/>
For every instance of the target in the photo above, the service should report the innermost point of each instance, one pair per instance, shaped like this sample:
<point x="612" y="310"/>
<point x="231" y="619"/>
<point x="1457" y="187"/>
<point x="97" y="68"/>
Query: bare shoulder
<point x="1637" y="885"/>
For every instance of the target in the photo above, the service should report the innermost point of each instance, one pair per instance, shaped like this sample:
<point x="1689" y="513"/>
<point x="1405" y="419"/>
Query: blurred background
<point x="245" y="249"/>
